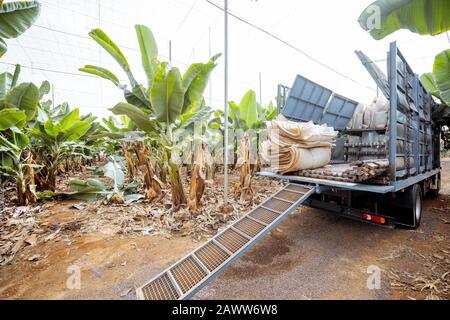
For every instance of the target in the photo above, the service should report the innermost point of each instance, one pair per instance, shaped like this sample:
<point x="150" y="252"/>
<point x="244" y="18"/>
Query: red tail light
<point x="373" y="218"/>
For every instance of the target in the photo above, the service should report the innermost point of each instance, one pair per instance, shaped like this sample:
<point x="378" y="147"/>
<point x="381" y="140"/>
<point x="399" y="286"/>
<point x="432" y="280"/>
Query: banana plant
<point x="16" y="160"/>
<point x="24" y="97"/>
<point x="135" y="93"/>
<point x="155" y="106"/>
<point x="92" y="189"/>
<point x="16" y="18"/>
<point x="52" y="140"/>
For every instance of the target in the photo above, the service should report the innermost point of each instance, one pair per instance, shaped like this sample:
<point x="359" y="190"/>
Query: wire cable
<point x="184" y="19"/>
<point x="290" y="45"/>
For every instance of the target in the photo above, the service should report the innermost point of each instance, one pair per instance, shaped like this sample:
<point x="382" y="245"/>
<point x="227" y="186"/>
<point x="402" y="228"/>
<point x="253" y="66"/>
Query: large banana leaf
<point x="25" y="97"/>
<point x="195" y="81"/>
<point x="12" y="118"/>
<point x="139" y="117"/>
<point x="149" y="51"/>
<point x="106" y="43"/>
<point x="441" y="72"/>
<point x="248" y="109"/>
<point x="67" y="122"/>
<point x="419" y="16"/>
<point x="85" y="190"/>
<point x="167" y="94"/>
<point x="429" y="82"/>
<point x="69" y="128"/>
<point x="76" y="131"/>
<point x="138" y="97"/>
<point x="114" y="171"/>
<point x="15" y="19"/>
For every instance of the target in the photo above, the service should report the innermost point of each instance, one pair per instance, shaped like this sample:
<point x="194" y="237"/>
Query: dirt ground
<point x="317" y="255"/>
<point x="312" y="255"/>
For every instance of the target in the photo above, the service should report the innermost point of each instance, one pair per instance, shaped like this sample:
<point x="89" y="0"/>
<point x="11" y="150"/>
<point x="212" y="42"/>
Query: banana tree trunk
<point x="210" y="165"/>
<point x="21" y="192"/>
<point x="30" y="184"/>
<point x="246" y="177"/>
<point x="152" y="184"/>
<point x="197" y="186"/>
<point x="51" y="180"/>
<point x="178" y="196"/>
<point x="130" y="163"/>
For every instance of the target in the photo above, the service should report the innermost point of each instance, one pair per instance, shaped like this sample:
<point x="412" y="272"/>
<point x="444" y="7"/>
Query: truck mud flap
<point x="188" y="276"/>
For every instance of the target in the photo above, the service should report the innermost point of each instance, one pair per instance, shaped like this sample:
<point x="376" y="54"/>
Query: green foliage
<point x="12" y="118"/>
<point x="69" y="128"/>
<point x="92" y="189"/>
<point x="149" y="51"/>
<point x="15" y="18"/>
<point x="426" y="17"/>
<point x="106" y="43"/>
<point x="24" y="97"/>
<point x="167" y="94"/>
<point x="249" y="114"/>
<point x="441" y="71"/>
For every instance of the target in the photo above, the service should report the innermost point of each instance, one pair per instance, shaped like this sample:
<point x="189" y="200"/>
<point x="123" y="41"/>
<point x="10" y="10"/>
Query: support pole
<point x="225" y="166"/>
<point x="209" y="53"/>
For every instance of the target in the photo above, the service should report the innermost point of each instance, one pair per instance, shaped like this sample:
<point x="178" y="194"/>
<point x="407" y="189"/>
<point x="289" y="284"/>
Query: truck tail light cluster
<point x="373" y="218"/>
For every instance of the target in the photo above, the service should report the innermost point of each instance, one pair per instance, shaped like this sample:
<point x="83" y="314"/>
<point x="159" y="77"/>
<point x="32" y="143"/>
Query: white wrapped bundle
<point x="301" y="134"/>
<point x="294" y="146"/>
<point x="290" y="159"/>
<point x="357" y="120"/>
<point x="376" y="114"/>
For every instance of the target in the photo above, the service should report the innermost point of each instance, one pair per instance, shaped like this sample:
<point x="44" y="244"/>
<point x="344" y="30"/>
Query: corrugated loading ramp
<point x="185" y="278"/>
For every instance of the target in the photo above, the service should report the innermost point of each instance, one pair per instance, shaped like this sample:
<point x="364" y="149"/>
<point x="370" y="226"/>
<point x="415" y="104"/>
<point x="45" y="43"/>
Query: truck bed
<point x="399" y="185"/>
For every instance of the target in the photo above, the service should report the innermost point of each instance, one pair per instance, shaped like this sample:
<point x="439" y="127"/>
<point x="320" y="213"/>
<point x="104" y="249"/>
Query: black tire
<point x="416" y="197"/>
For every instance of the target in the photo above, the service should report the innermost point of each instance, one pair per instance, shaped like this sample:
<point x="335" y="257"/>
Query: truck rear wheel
<point x="407" y="207"/>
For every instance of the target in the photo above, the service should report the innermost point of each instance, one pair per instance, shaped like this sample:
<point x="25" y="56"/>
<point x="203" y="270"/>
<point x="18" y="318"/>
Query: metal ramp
<point x="186" y="277"/>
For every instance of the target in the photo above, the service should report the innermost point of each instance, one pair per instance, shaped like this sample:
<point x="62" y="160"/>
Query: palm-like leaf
<point x="15" y="19"/>
<point x="149" y="51"/>
<point x="441" y="72"/>
<point x="113" y="49"/>
<point x="248" y="109"/>
<point x="24" y="97"/>
<point x="139" y="117"/>
<point x="101" y="72"/>
<point x="12" y="118"/>
<point x="167" y="94"/>
<point x="195" y="81"/>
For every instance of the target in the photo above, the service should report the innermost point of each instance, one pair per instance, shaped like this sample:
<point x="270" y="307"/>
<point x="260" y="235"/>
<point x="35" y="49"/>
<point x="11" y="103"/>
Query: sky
<point x="327" y="30"/>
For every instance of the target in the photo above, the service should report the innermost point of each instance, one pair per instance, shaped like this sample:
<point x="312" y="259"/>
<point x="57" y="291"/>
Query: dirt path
<point x="316" y="255"/>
